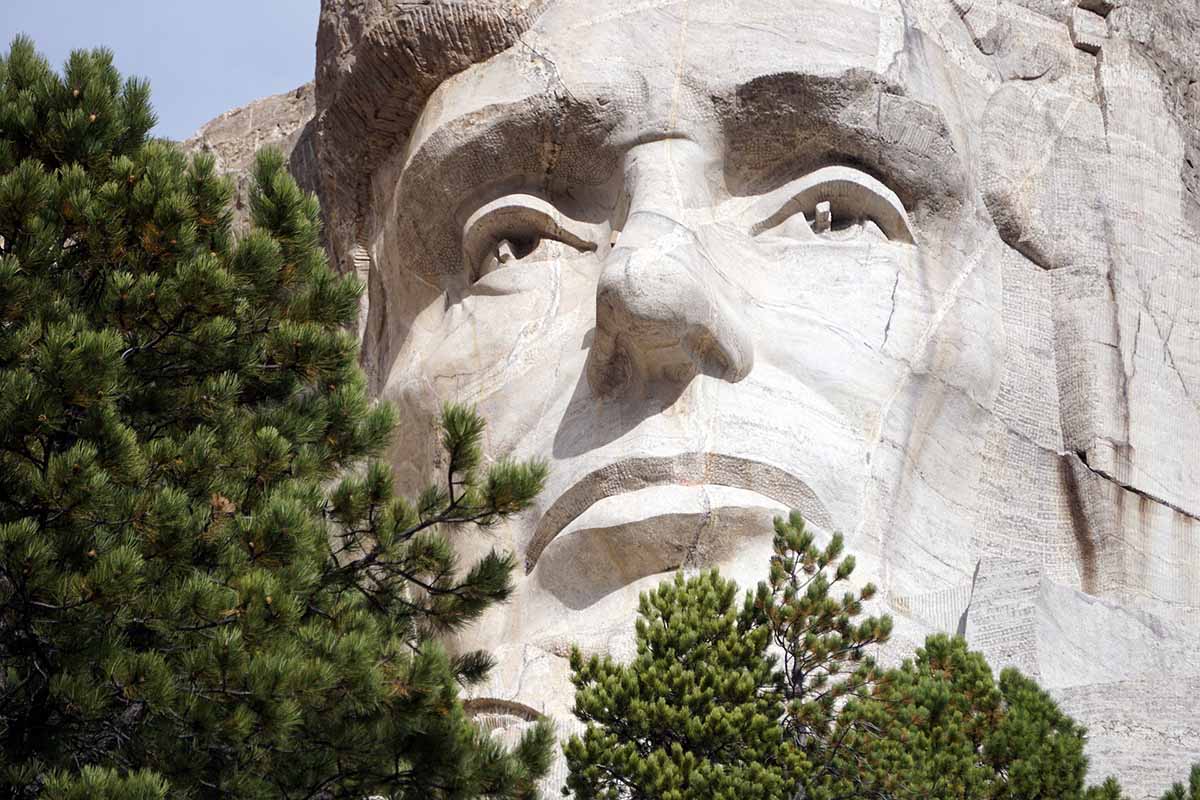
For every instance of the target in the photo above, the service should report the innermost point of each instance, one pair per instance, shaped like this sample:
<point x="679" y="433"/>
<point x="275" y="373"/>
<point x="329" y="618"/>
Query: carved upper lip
<point x="497" y="705"/>
<point x="685" y="469"/>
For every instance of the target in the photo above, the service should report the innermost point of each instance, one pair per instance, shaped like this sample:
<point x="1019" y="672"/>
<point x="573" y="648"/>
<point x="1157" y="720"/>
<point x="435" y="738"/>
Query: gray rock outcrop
<point x="236" y="136"/>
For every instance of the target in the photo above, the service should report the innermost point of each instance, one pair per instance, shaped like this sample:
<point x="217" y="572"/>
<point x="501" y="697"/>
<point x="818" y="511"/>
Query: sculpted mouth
<point x="686" y="469"/>
<point x="496" y="707"/>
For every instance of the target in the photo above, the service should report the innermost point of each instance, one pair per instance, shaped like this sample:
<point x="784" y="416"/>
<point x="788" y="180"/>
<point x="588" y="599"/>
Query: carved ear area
<point x="1044" y="179"/>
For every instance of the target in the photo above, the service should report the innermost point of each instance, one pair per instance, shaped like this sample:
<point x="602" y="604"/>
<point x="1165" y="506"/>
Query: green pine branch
<point x="209" y="586"/>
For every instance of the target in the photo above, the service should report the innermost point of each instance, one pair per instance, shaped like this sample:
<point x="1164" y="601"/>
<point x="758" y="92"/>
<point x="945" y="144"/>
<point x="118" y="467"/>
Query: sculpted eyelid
<point x="521" y="215"/>
<point x="851" y="192"/>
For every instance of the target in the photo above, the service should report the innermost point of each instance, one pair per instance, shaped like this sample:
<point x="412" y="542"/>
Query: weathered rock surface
<point x="925" y="269"/>
<point x="235" y="136"/>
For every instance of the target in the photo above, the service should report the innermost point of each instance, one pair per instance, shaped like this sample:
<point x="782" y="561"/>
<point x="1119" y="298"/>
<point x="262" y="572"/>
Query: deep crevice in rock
<point x="1082" y="456"/>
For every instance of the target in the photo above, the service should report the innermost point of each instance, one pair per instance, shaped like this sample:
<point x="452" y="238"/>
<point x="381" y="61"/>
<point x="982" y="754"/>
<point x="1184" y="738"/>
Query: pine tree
<point x="820" y="718"/>
<point x="794" y="645"/>
<point x="194" y="598"/>
<point x="824" y="643"/>
<point x="941" y="726"/>
<point x="692" y="717"/>
<point x="1111" y="790"/>
<point x="1190" y="792"/>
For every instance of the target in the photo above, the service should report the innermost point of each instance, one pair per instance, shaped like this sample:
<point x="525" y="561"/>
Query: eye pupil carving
<point x="863" y="204"/>
<point x="824" y="218"/>
<point x="514" y="249"/>
<point x="516" y="227"/>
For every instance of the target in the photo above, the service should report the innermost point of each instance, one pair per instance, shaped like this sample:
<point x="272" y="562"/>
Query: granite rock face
<point x="235" y="136"/>
<point x="926" y="270"/>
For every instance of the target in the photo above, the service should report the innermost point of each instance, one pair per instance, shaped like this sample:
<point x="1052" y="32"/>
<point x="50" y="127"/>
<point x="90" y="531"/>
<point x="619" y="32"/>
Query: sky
<point x="202" y="57"/>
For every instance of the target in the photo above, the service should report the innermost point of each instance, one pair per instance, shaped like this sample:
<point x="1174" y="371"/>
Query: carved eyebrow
<point x="851" y="193"/>
<point x="521" y="215"/>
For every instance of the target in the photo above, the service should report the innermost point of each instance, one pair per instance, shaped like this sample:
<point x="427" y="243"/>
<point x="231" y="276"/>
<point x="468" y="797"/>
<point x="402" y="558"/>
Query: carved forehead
<point x="395" y="74"/>
<point x="804" y="76"/>
<point x="788" y="86"/>
<point x="725" y="41"/>
<point x="654" y="63"/>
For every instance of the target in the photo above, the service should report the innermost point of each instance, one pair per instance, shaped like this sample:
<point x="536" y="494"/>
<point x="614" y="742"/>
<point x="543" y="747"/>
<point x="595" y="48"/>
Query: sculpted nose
<point x="663" y="313"/>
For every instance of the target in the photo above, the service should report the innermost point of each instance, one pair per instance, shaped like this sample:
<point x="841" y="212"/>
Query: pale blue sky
<point x="202" y="57"/>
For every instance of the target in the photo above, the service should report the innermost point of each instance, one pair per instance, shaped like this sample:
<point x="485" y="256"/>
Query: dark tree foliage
<point x="714" y="694"/>
<point x="941" y="726"/>
<point x="810" y="707"/>
<point x="689" y="719"/>
<point x="823" y="643"/>
<point x="1189" y="792"/>
<point x="191" y="603"/>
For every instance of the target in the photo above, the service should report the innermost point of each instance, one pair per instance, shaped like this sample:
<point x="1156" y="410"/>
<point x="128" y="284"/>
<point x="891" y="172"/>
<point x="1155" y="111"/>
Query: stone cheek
<point x="975" y="349"/>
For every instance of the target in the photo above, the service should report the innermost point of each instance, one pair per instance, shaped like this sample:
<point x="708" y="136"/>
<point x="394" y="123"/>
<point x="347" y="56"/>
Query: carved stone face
<point x="719" y="259"/>
<point x="711" y="272"/>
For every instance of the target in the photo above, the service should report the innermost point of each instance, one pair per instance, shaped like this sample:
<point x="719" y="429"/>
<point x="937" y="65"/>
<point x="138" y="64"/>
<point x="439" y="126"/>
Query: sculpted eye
<point x="521" y="229"/>
<point x="836" y="203"/>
